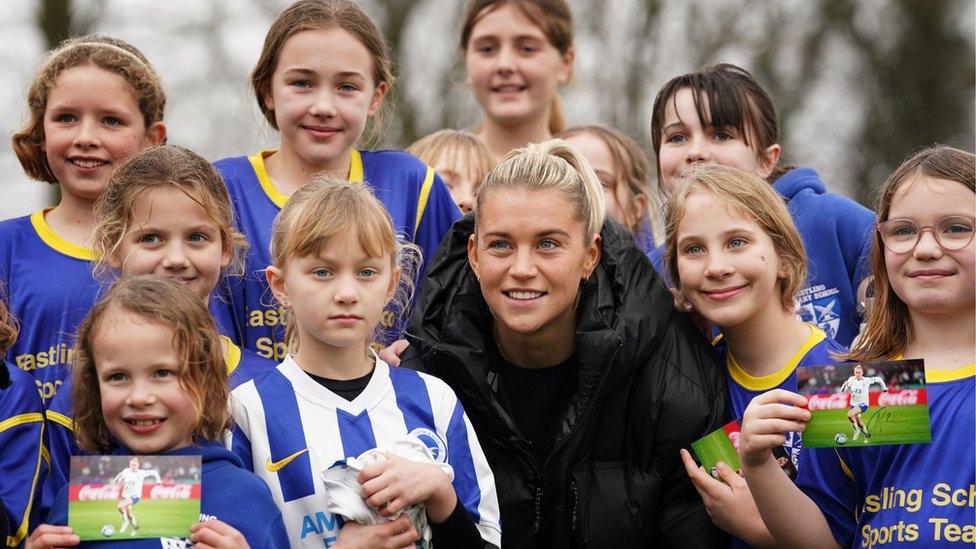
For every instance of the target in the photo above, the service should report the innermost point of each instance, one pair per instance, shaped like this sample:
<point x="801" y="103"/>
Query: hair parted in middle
<point x="202" y="374"/>
<point x="550" y="165"/>
<point x="329" y="208"/>
<point x="306" y="15"/>
<point x="455" y="143"/>
<point x="753" y="197"/>
<point x="162" y="167"/>
<point x="553" y="17"/>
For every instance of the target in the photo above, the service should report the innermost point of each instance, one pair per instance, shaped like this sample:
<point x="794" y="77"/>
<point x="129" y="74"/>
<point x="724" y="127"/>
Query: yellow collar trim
<point x="55" y="241"/>
<point x="941" y="376"/>
<point x="257" y="162"/>
<point x="232" y="359"/>
<point x="766" y="382"/>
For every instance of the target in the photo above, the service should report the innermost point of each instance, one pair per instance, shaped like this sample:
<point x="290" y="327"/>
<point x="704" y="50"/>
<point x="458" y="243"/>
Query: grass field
<point x="156" y="517"/>
<point x="714" y="448"/>
<point x="887" y="425"/>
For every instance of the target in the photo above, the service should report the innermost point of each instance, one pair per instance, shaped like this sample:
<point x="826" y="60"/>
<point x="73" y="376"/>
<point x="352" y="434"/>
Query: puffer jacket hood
<point x="648" y="385"/>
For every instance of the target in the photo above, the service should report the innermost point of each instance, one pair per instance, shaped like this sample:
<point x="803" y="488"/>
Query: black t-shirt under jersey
<point x="537" y="398"/>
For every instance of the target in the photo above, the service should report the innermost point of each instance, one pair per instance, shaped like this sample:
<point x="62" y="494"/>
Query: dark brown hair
<point x="107" y="53"/>
<point x="735" y="99"/>
<point x="552" y="16"/>
<point x="163" y="166"/>
<point x="888" y="330"/>
<point x="307" y="15"/>
<point x="202" y="374"/>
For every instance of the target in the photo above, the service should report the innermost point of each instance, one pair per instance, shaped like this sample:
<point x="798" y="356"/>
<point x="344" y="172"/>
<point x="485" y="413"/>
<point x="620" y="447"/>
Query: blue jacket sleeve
<point x="24" y="462"/>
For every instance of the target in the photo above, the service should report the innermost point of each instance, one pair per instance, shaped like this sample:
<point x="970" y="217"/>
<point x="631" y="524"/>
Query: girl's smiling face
<point x="929" y="278"/>
<point x="728" y="267"/>
<point x="172" y="235"/>
<point x="512" y="66"/>
<point x="92" y="123"/>
<point x="138" y="370"/>
<point x="322" y="92"/>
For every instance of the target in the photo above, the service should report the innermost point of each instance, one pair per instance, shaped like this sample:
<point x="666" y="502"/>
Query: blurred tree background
<point x="858" y="84"/>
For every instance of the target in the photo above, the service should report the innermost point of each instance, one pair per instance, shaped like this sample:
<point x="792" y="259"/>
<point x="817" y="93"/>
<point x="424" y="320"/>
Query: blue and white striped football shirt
<point x="288" y="428"/>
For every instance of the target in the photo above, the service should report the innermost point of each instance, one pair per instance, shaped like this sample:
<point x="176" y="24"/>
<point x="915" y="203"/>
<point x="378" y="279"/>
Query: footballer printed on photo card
<point x="865" y="404"/>
<point x="126" y="497"/>
<point x="723" y="444"/>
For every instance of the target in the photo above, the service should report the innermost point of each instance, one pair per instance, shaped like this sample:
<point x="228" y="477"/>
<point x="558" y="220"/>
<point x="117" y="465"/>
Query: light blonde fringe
<point x="454" y="143"/>
<point x="756" y="198"/>
<point x="327" y="208"/>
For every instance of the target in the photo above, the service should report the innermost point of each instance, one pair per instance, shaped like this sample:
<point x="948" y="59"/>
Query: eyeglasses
<point x="902" y="235"/>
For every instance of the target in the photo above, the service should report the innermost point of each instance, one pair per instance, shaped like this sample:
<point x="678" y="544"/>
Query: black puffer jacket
<point x="648" y="385"/>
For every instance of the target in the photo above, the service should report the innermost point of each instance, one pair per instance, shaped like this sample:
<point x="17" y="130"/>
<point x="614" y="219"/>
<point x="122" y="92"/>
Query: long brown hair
<point x="307" y="15"/>
<point x="888" y="331"/>
<point x="202" y="374"/>
<point x="552" y="16"/>
<point x="107" y="53"/>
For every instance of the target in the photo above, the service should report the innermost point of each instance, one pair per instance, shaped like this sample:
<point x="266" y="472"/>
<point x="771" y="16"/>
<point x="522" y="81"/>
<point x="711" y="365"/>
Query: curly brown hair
<point x="111" y="54"/>
<point x="202" y="374"/>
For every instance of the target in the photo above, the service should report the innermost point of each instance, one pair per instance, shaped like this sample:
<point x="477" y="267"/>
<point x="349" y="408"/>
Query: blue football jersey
<point x="23" y="463"/>
<point x="418" y="202"/>
<point x="50" y="288"/>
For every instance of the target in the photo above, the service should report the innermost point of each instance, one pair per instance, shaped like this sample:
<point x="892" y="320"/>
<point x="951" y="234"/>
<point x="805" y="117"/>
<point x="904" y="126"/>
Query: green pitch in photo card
<point x="127" y="497"/>
<point x="722" y="445"/>
<point x="865" y="404"/>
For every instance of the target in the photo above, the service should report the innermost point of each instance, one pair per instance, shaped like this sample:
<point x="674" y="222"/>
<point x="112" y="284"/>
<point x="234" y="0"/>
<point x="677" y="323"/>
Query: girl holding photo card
<point x="149" y="379"/>
<point x="924" y="263"/>
<point x="739" y="262"/>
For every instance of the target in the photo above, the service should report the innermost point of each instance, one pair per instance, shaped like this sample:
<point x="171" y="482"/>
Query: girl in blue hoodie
<point x="149" y="379"/>
<point x="722" y="115"/>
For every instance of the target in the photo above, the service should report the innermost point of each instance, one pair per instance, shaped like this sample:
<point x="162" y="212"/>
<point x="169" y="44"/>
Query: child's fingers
<point x="370" y="472"/>
<point x="706" y="486"/>
<point x="49" y="536"/>
<point x="776" y="426"/>
<point x="730" y="477"/>
<point x="391" y="354"/>
<point x="781" y="396"/>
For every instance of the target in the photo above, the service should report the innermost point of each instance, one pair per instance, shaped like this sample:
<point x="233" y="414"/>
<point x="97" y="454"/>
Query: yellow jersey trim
<point x="21" y="532"/>
<point x="274" y="467"/>
<point x="55" y="241"/>
<point x="422" y="199"/>
<point x="46" y="454"/>
<point x="233" y="356"/>
<point x="60" y="419"/>
<point x="355" y="166"/>
<point x="766" y="382"/>
<point x="257" y="163"/>
<point x="21" y="419"/>
<point x="941" y="376"/>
